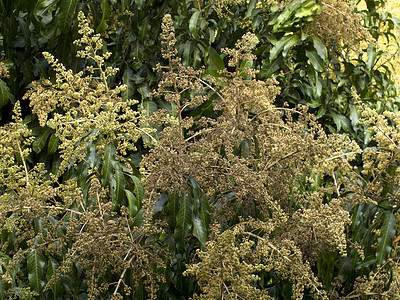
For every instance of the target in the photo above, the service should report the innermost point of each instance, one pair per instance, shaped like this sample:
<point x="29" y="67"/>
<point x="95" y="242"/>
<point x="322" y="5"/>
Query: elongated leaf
<point x="53" y="144"/>
<point x="289" y="44"/>
<point x="315" y="60"/>
<point x="307" y="9"/>
<point x="269" y="68"/>
<point x="106" y="8"/>
<point x="320" y="47"/>
<point x="5" y="95"/>
<point x="385" y="240"/>
<point x="214" y="61"/>
<point x="127" y="79"/>
<point x="132" y="203"/>
<point x="341" y="121"/>
<point x="67" y="9"/>
<point x="107" y="164"/>
<point x="183" y="219"/>
<point x="40" y="141"/>
<point x="138" y="188"/>
<point x="371" y="57"/>
<point x="36" y="265"/>
<point x="172" y="209"/>
<point x="199" y="230"/>
<point x="149" y="106"/>
<point x="194" y="24"/>
<point x="118" y="195"/>
<point x="285" y="15"/>
<point x="286" y="41"/>
<point x="57" y="287"/>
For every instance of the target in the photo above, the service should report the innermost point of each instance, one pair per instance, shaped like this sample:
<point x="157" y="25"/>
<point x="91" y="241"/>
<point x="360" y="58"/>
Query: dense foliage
<point x="199" y="149"/>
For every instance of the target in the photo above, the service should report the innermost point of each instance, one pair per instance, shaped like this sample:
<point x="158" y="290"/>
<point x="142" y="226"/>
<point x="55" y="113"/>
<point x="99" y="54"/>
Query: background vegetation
<point x="199" y="149"/>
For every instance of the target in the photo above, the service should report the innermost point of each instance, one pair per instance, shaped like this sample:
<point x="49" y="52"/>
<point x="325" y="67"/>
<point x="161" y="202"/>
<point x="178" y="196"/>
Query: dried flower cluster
<point x="258" y="153"/>
<point x="338" y="27"/>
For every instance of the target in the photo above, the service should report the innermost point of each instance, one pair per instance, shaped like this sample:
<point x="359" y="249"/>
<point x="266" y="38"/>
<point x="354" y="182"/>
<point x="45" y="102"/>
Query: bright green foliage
<point x="260" y="160"/>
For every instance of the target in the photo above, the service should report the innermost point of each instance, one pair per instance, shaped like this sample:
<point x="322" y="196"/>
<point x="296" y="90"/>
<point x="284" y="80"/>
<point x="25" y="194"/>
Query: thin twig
<point x="218" y="93"/>
<point x="56" y="207"/>
<point x="23" y="161"/>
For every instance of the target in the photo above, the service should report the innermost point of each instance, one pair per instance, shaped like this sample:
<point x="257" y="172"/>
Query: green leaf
<point x="320" y="47"/>
<point x="199" y="230"/>
<point x="106" y="8"/>
<point x="354" y="115"/>
<point x="5" y="95"/>
<point x="132" y="203"/>
<point x="325" y="266"/>
<point x="36" y="265"/>
<point x="194" y="24"/>
<point x="321" y="112"/>
<point x="125" y="4"/>
<point x="268" y="68"/>
<point x="53" y="144"/>
<point x="371" y="57"/>
<point x="315" y="60"/>
<point x="57" y="287"/>
<point x="128" y="80"/>
<point x="283" y="44"/>
<point x="148" y="106"/>
<point x="118" y="195"/>
<point x="385" y="239"/>
<point x="307" y="9"/>
<point x="67" y="9"/>
<point x="341" y="121"/>
<point x="214" y="60"/>
<point x="40" y="141"/>
<point x="108" y="162"/>
<point x="285" y="15"/>
<point x="183" y="219"/>
<point x="138" y="188"/>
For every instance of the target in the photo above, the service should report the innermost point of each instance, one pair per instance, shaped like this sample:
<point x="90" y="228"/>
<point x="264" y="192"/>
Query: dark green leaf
<point x="106" y="8"/>
<point x="385" y="239"/>
<point x="371" y="57"/>
<point x="118" y="195"/>
<point x="40" y="141"/>
<point x="5" y="95"/>
<point x="184" y="218"/>
<point x="214" y="61"/>
<point x="284" y="43"/>
<point x="199" y="230"/>
<point x="57" y="287"/>
<point x="132" y="203"/>
<point x="315" y="60"/>
<point x="53" y="144"/>
<point x="128" y="80"/>
<point x="36" y="264"/>
<point x="67" y="9"/>
<point x="107" y="167"/>
<point x="341" y="121"/>
<point x="194" y="24"/>
<point x="139" y="190"/>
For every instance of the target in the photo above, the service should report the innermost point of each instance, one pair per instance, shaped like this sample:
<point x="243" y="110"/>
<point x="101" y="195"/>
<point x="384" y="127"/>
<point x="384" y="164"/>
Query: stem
<point x="23" y="161"/>
<point x="222" y="98"/>
<point x="180" y="129"/>
<point x="55" y="207"/>
<point x="341" y="155"/>
<point x="266" y="168"/>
